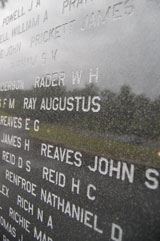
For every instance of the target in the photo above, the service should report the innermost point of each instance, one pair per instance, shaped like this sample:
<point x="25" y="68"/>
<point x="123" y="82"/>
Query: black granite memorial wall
<point x="80" y="120"/>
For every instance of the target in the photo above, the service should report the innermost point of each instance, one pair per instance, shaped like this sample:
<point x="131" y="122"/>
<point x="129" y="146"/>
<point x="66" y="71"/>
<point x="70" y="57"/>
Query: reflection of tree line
<point x="122" y="113"/>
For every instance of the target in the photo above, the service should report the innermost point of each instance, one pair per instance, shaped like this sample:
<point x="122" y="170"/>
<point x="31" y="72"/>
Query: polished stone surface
<point x="79" y="120"/>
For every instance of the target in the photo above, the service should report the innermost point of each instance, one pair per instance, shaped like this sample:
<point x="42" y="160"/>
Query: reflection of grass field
<point x="2" y="112"/>
<point x="117" y="150"/>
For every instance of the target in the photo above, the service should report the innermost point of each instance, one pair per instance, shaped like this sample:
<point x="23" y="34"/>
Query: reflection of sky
<point x="126" y="50"/>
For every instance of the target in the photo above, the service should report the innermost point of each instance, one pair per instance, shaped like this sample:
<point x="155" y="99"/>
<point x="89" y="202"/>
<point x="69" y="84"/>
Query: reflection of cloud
<point x="125" y="50"/>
